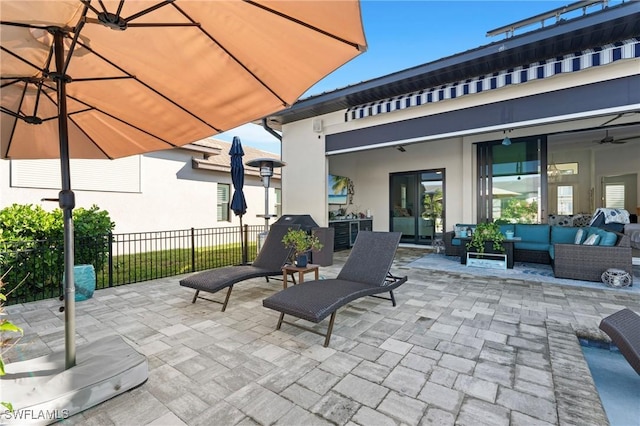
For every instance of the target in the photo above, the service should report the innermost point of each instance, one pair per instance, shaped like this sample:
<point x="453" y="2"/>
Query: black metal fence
<point x="36" y="268"/>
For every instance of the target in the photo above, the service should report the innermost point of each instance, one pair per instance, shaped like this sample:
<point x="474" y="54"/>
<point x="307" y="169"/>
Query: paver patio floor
<point x="458" y="349"/>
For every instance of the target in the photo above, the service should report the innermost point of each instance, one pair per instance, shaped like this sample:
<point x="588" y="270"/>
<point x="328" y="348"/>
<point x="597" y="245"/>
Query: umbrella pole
<point x="242" y="246"/>
<point x="66" y="201"/>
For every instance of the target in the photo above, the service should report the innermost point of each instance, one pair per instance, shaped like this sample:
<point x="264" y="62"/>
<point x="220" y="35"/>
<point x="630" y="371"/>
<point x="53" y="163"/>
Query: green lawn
<point x="138" y="267"/>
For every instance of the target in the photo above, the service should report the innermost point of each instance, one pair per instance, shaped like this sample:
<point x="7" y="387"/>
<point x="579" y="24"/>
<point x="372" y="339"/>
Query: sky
<point x="406" y="33"/>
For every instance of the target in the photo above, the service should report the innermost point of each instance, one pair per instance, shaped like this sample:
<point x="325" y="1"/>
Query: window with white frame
<point x="614" y="196"/>
<point x="565" y="199"/>
<point x="278" y="202"/>
<point x="224" y="191"/>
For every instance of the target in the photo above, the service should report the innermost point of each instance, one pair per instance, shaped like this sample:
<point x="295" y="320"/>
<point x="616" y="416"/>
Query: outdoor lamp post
<point x="266" y="166"/>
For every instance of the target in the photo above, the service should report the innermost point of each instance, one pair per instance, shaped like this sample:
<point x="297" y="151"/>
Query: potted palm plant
<point x="301" y="242"/>
<point x="486" y="236"/>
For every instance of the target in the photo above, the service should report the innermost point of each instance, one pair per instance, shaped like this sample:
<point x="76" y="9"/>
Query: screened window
<point x="223" y="202"/>
<point x="565" y="199"/>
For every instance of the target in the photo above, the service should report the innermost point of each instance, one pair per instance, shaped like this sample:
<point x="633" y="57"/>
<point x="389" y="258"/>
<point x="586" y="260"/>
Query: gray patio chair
<point x="365" y="273"/>
<point x="269" y="263"/>
<point x="624" y="329"/>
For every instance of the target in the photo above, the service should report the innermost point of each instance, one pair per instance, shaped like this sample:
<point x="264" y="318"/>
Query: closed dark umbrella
<point x="238" y="202"/>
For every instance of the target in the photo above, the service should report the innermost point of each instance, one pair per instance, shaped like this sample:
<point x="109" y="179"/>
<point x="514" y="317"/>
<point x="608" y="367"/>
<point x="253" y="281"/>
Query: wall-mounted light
<point x="506" y="141"/>
<point x="317" y="125"/>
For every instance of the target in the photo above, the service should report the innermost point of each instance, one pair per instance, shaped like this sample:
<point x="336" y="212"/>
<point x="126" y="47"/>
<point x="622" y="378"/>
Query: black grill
<point x="305" y="221"/>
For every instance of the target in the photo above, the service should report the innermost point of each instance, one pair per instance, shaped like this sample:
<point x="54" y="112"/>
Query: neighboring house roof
<point x="609" y="25"/>
<point x="217" y="158"/>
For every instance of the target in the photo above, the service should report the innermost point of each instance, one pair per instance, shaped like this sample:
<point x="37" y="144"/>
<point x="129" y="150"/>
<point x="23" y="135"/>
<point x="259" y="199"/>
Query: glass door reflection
<point x="417" y="205"/>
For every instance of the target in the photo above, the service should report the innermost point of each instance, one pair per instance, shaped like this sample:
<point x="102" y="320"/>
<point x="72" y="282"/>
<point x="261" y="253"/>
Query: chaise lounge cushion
<point x="624" y="329"/>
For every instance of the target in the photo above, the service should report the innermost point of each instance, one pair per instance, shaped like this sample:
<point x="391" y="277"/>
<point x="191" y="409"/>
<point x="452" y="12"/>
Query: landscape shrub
<point x="32" y="243"/>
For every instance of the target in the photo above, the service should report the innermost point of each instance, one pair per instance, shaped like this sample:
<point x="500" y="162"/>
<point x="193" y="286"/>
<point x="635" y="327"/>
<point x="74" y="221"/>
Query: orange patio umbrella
<point x="109" y="79"/>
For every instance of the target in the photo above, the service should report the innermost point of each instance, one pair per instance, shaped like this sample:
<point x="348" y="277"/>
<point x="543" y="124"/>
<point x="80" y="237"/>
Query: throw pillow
<point x="608" y="239"/>
<point x="591" y="240"/>
<point x="579" y="236"/>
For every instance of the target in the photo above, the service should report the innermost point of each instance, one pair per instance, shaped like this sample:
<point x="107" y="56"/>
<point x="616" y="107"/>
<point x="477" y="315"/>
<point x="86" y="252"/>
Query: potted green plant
<point x="486" y="235"/>
<point x="301" y="242"/>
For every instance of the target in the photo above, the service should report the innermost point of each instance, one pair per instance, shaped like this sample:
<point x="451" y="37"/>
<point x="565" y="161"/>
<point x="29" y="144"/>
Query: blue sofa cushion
<point x="563" y="234"/>
<point x="608" y="239"/>
<point x="533" y="233"/>
<point x="456" y="242"/>
<point x="521" y="245"/>
<point x="552" y="251"/>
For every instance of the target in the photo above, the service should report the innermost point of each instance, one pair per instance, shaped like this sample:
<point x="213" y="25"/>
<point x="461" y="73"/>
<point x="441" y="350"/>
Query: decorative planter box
<point x="487" y="260"/>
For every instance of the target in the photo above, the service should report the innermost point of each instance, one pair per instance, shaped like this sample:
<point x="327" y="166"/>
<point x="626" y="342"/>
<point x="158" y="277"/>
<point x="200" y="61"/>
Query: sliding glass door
<point x="510" y="186"/>
<point x="417" y="205"/>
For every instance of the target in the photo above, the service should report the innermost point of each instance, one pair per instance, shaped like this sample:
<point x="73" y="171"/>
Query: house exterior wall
<point x="173" y="196"/>
<point x="304" y="178"/>
<point x="369" y="165"/>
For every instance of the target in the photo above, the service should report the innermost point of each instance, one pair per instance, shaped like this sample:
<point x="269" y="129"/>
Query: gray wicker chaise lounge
<point x="624" y="329"/>
<point x="269" y="263"/>
<point x="365" y="273"/>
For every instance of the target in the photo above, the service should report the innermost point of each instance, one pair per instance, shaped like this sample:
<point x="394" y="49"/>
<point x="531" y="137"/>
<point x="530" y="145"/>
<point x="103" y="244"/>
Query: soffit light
<point x="506" y="141"/>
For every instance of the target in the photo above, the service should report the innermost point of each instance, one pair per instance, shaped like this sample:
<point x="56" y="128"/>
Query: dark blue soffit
<point x="592" y="97"/>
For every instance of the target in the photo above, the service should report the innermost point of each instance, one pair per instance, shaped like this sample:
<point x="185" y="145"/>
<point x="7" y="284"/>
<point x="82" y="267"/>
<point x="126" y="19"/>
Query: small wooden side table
<point x="292" y="269"/>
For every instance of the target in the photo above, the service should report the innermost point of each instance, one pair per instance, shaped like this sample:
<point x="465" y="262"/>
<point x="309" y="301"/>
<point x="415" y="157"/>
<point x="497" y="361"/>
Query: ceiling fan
<point x="613" y="140"/>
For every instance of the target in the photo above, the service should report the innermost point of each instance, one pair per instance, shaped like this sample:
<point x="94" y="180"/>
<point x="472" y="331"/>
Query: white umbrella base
<point x="43" y="392"/>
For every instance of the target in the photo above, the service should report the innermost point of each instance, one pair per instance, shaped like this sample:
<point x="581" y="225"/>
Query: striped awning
<point x="578" y="61"/>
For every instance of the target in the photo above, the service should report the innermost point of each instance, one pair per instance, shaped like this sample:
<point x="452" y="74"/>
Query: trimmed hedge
<point x="32" y="244"/>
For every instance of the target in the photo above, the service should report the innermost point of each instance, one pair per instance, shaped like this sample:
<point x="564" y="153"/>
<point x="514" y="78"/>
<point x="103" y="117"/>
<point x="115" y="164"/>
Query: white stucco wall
<point x="173" y="196"/>
<point x="304" y="178"/>
<point x="370" y="172"/>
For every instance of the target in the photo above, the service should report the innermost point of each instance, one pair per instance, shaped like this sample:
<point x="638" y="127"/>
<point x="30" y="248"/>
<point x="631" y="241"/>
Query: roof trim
<point x="595" y="29"/>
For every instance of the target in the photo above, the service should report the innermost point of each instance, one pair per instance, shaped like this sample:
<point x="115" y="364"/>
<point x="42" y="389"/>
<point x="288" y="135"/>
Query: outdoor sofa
<point x="269" y="262"/>
<point x="558" y="246"/>
<point x="365" y="273"/>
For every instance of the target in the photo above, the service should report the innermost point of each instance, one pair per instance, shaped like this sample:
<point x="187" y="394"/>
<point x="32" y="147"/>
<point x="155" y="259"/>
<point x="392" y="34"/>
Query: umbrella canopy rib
<point x="356" y="46"/>
<point x="232" y="56"/>
<point x="216" y="129"/>
<point x="20" y="58"/>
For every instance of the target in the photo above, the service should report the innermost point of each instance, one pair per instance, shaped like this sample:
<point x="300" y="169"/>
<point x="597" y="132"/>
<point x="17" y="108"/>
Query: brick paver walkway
<point x="458" y="349"/>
